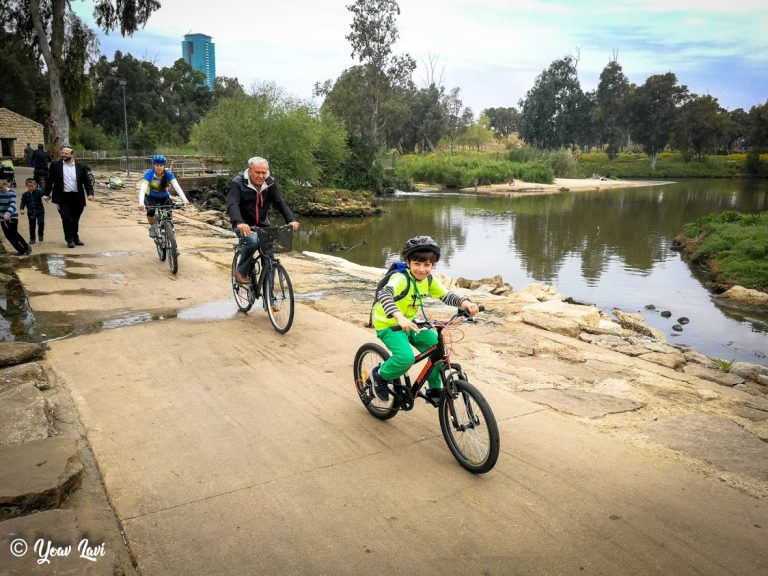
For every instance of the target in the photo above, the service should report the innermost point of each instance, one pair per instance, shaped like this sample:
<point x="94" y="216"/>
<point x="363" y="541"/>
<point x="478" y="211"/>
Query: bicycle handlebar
<point x="460" y="312"/>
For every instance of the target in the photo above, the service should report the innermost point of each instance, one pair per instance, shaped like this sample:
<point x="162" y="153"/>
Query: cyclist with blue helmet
<point x="154" y="190"/>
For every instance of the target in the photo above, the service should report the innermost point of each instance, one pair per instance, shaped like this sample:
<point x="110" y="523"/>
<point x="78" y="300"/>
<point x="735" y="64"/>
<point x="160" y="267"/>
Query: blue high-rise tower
<point x="199" y="52"/>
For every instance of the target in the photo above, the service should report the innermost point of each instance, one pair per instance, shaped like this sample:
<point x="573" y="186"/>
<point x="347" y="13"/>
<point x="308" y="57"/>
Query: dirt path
<point x="226" y="448"/>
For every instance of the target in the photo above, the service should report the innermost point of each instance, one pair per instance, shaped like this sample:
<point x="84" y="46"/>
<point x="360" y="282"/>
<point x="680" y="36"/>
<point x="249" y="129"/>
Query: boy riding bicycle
<point x="420" y="254"/>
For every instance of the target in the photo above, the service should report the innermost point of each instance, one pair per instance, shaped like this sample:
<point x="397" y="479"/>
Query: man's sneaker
<point x="42" y="238"/>
<point x="31" y="240"/>
<point x="152" y="231"/>
<point x="379" y="385"/>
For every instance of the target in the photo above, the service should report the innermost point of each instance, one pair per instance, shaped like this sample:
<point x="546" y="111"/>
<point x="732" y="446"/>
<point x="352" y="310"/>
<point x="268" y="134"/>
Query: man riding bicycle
<point x="251" y="194"/>
<point x="157" y="180"/>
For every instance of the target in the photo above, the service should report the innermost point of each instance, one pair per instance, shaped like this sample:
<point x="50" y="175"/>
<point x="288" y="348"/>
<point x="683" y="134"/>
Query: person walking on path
<point x="28" y="155"/>
<point x="10" y="219"/>
<point x="68" y="186"/>
<point x="32" y="200"/>
<point x="40" y="160"/>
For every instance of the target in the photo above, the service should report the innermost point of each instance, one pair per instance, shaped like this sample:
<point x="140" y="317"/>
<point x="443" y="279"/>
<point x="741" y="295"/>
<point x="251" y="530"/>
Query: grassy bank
<point x="731" y="246"/>
<point x="670" y="165"/>
<point x="464" y="169"/>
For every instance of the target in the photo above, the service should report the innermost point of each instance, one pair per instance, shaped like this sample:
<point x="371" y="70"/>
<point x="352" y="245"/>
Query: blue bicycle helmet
<point x="159" y="159"/>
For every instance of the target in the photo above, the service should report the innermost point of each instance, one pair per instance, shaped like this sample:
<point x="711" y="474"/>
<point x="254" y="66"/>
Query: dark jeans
<point x="11" y="231"/>
<point x="38" y="220"/>
<point x="248" y="247"/>
<point x="70" y="209"/>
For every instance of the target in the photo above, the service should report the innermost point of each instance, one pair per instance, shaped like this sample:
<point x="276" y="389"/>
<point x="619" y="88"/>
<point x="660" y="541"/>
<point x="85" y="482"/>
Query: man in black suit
<point x="68" y="186"/>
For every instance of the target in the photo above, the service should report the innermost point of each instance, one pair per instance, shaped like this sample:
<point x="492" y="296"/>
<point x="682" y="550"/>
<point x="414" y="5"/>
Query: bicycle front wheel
<point x="367" y="358"/>
<point x="160" y="245"/>
<point x="278" y="298"/>
<point x="170" y="247"/>
<point x="469" y="428"/>
<point x="244" y="293"/>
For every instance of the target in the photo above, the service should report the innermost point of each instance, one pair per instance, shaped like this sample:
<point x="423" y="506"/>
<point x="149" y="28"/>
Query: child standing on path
<point x="32" y="200"/>
<point x="10" y="219"/>
<point x="420" y="254"/>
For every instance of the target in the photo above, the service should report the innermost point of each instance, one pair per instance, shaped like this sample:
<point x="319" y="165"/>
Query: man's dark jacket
<point x="40" y="159"/>
<point x="244" y="204"/>
<point x="54" y="186"/>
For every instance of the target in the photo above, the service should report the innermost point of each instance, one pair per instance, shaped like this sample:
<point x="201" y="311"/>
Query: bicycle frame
<point x="437" y="357"/>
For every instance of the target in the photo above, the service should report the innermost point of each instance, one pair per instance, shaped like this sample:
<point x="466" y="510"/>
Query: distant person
<point x="68" y="186"/>
<point x="40" y="160"/>
<point x="28" y="155"/>
<point x="251" y="194"/>
<point x="154" y="190"/>
<point x="32" y="200"/>
<point x="10" y="219"/>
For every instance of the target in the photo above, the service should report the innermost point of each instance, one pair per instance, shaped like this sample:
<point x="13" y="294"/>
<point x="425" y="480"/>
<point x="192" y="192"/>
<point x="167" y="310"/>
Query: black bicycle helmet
<point x="419" y="243"/>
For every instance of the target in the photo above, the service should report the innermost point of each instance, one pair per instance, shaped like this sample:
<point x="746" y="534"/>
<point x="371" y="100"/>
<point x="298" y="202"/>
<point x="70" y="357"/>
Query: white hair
<point x="257" y="160"/>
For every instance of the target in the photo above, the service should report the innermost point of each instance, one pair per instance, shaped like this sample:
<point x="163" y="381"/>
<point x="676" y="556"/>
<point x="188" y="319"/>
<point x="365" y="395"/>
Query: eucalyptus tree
<point x="226" y="87"/>
<point x="19" y="62"/>
<point x="459" y="117"/>
<point x="503" y="121"/>
<point x="701" y="127"/>
<point x="55" y="31"/>
<point x="653" y="110"/>
<point x="372" y="37"/>
<point x="610" y="112"/>
<point x="162" y="104"/>
<point x="758" y="127"/>
<point x="738" y="129"/>
<point x="548" y="111"/>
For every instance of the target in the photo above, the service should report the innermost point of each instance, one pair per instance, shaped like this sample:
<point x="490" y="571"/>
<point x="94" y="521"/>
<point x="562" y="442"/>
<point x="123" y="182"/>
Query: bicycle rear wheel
<point x="367" y="358"/>
<point x="469" y="428"/>
<point x="278" y="298"/>
<point x="244" y="293"/>
<point x="170" y="247"/>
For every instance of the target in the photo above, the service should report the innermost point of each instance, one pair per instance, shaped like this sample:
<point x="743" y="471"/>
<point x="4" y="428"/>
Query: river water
<point x="611" y="248"/>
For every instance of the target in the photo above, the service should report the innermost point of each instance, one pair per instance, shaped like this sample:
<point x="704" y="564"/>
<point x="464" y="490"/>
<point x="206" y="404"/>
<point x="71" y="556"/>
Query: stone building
<point x="15" y="132"/>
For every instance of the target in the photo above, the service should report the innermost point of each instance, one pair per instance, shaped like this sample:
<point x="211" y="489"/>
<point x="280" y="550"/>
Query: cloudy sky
<point x="493" y="50"/>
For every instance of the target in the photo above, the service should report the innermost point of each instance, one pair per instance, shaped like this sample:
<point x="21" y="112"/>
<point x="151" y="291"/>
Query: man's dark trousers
<point x="70" y="209"/>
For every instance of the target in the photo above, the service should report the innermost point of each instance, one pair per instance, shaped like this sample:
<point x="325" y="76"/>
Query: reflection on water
<point x="611" y="248"/>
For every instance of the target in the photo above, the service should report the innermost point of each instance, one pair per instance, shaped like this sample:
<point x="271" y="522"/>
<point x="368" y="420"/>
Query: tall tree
<point x="226" y="87"/>
<point x="610" y="113"/>
<point x="374" y="32"/>
<point x="547" y="114"/>
<point x="459" y="117"/>
<point x="503" y="121"/>
<point x="46" y="22"/>
<point x="652" y="111"/>
<point x="700" y="127"/>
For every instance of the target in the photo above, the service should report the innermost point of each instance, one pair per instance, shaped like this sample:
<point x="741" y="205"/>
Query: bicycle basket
<point x="276" y="239"/>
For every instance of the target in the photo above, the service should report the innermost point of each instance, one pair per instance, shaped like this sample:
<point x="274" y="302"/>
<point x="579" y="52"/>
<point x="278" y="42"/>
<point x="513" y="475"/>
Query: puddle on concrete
<point x="64" y="267"/>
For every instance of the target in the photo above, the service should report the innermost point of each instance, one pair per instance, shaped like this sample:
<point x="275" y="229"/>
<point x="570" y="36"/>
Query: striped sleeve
<point x="453" y="299"/>
<point x="387" y="298"/>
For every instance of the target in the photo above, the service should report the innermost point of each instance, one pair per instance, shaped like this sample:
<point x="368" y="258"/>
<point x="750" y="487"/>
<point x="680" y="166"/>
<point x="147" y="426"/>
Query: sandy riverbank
<point x="520" y="187"/>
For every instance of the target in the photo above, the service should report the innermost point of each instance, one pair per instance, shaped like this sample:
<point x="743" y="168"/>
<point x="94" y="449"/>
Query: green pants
<point x="399" y="344"/>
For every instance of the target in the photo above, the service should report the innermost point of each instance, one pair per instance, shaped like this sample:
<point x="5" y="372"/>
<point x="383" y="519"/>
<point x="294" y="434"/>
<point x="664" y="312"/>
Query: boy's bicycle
<point x="269" y="279"/>
<point x="466" y="419"/>
<point x="165" y="239"/>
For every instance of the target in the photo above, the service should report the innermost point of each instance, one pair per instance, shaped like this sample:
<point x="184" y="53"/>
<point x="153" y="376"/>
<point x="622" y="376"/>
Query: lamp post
<point x="123" y="82"/>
